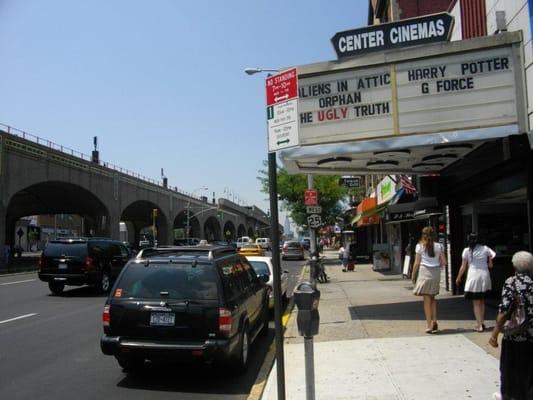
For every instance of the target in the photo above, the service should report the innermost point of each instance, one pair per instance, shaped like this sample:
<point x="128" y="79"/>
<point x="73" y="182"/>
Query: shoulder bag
<point x="517" y="320"/>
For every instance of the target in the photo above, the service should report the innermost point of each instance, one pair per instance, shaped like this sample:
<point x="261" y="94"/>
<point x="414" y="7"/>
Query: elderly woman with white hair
<point x="516" y="359"/>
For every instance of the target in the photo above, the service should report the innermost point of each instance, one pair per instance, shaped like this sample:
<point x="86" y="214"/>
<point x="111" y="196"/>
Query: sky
<point x="161" y="82"/>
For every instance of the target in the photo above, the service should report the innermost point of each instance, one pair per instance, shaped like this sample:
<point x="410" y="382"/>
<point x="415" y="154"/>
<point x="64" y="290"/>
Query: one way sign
<point x="282" y="110"/>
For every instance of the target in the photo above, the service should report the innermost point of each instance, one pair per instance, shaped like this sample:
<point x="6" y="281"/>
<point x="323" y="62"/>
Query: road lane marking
<point x="16" y="318"/>
<point x="12" y="283"/>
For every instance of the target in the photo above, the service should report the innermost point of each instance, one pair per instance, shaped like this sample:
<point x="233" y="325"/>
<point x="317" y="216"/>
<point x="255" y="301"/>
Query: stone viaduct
<point x="39" y="177"/>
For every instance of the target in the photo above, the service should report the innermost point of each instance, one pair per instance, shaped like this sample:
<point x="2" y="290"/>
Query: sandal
<point x="479" y="329"/>
<point x="435" y="327"/>
<point x="429" y="331"/>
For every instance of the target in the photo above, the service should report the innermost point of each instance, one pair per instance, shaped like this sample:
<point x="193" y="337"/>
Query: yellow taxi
<point x="251" y="249"/>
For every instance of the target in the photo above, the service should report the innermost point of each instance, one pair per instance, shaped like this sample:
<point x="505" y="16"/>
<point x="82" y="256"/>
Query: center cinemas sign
<point x="409" y="32"/>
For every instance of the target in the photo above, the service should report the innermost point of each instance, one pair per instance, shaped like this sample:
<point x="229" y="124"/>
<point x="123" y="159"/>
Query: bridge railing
<point x="74" y="153"/>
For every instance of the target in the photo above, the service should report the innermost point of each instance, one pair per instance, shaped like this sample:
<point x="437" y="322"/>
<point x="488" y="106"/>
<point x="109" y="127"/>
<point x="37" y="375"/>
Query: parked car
<point x="251" y="249"/>
<point x="265" y="243"/>
<point x="292" y="249"/>
<point x="263" y="267"/>
<point x="199" y="303"/>
<point x="82" y="261"/>
<point x="243" y="240"/>
<point x="306" y="243"/>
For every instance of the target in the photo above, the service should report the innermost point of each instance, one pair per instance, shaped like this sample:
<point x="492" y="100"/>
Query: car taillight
<point x="106" y="315"/>
<point x="88" y="264"/>
<point x="40" y="264"/>
<point x="224" y="321"/>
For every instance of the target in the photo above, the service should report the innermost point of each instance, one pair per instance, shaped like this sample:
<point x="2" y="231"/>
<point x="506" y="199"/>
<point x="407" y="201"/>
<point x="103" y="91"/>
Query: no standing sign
<point x="282" y="110"/>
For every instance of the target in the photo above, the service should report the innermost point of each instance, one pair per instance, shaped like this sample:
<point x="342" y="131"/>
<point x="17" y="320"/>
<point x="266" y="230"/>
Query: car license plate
<point x="162" y="319"/>
<point x="62" y="266"/>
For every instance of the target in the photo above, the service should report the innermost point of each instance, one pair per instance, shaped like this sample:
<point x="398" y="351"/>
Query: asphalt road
<point x="50" y="349"/>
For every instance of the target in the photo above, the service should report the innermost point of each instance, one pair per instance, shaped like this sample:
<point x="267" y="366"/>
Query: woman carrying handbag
<point x="516" y="358"/>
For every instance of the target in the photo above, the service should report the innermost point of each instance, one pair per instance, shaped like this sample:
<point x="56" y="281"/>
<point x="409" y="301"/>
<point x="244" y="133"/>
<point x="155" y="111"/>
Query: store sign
<point x="409" y="32"/>
<point x="399" y="216"/>
<point x="440" y="93"/>
<point x="385" y="190"/>
<point x="350" y="182"/>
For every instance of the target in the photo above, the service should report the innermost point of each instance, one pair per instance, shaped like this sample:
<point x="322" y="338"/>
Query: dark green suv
<point x="201" y="303"/>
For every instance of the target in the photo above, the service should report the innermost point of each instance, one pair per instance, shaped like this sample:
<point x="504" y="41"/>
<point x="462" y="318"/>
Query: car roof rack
<point x="208" y="251"/>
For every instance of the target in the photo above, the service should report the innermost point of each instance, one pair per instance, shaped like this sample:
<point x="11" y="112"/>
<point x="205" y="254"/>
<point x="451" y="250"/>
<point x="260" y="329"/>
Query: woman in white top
<point x="477" y="259"/>
<point x="429" y="260"/>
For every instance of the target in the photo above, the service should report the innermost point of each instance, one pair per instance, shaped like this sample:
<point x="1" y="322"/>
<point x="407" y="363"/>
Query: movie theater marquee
<point x="458" y="90"/>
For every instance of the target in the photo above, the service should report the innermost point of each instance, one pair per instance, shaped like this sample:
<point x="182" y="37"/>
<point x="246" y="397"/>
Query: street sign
<point x="351" y="182"/>
<point x="314" y="221"/>
<point x="311" y="197"/>
<point x="282" y="87"/>
<point x="314" y="210"/>
<point x="282" y="110"/>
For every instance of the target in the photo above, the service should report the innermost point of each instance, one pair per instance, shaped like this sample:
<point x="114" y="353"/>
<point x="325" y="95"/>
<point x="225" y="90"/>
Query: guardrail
<point x="74" y="153"/>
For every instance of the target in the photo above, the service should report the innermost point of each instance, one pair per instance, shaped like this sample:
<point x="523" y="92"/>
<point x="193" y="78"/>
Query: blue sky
<point x="161" y="82"/>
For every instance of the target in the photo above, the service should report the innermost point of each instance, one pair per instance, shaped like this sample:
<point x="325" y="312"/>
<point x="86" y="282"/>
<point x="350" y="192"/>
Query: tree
<point x="291" y="191"/>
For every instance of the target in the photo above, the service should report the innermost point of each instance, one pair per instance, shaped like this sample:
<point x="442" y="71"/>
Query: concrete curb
<point x="262" y="377"/>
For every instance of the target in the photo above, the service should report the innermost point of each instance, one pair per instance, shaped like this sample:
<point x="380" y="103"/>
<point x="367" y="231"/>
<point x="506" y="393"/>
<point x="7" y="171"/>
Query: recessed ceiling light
<point x="440" y="158"/>
<point x="456" y="148"/>
<point x="427" y="167"/>
<point x="402" y="153"/>
<point x="381" y="164"/>
<point x="332" y="161"/>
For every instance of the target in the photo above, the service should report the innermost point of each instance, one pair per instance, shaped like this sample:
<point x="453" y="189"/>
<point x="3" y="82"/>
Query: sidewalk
<point x="371" y="344"/>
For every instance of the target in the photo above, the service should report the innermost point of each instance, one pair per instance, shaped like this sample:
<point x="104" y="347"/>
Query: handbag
<point x="517" y="320"/>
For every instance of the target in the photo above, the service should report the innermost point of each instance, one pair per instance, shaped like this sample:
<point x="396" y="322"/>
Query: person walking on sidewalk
<point x="516" y="365"/>
<point x="429" y="259"/>
<point x="477" y="259"/>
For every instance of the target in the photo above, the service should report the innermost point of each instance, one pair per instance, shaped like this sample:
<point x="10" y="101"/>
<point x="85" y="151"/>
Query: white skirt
<point x="478" y="280"/>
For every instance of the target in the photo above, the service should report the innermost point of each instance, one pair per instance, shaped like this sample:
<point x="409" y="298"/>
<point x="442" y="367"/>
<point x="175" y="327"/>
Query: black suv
<point x="81" y="261"/>
<point x="201" y="303"/>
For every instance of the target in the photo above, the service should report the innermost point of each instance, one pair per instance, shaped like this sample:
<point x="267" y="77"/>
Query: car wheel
<point x="130" y="364"/>
<point x="105" y="282"/>
<point x="241" y="359"/>
<point x="56" y="287"/>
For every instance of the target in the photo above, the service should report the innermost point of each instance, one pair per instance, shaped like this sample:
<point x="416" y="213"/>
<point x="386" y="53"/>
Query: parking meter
<point x="307" y="297"/>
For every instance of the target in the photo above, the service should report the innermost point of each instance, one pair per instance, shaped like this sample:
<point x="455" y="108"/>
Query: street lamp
<point x="274" y="223"/>
<point x="252" y="71"/>
<point x="189" y="212"/>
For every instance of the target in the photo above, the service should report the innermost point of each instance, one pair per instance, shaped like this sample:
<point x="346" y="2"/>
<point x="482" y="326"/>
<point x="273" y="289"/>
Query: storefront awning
<point x="369" y="213"/>
<point x="414" y="210"/>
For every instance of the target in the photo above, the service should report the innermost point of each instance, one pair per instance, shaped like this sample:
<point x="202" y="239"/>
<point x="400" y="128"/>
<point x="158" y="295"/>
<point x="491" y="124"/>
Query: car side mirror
<point x="264" y="278"/>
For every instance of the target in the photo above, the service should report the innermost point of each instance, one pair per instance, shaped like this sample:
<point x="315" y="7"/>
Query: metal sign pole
<point x="274" y="223"/>
<point x="312" y="237"/>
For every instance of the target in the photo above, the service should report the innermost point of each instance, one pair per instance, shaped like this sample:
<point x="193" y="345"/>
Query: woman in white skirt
<point x="429" y="259"/>
<point x="477" y="259"/>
